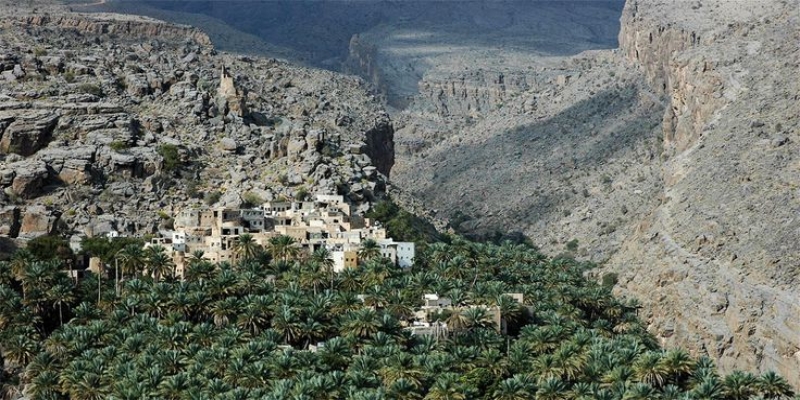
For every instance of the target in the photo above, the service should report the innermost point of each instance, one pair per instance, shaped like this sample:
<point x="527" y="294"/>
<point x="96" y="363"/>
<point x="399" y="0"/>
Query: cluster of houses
<point x="324" y="222"/>
<point x="432" y="303"/>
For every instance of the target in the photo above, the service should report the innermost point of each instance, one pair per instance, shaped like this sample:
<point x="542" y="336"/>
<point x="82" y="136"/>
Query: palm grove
<point x="246" y="331"/>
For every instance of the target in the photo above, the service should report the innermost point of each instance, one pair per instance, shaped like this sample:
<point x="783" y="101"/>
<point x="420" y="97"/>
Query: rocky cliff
<point x="123" y="28"/>
<point x="672" y="160"/>
<point x="114" y="123"/>
<point x="715" y="264"/>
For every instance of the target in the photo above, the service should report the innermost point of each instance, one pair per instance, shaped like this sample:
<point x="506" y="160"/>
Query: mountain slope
<point x="108" y="121"/>
<point x="723" y="243"/>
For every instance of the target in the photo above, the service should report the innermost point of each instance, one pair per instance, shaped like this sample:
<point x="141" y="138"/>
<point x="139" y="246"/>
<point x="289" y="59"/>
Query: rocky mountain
<point x="113" y="122"/>
<point x="722" y="241"/>
<point x="671" y="160"/>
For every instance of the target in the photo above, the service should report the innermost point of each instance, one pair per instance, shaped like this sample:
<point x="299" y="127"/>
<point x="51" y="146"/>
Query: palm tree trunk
<point x="116" y="276"/>
<point x="60" y="315"/>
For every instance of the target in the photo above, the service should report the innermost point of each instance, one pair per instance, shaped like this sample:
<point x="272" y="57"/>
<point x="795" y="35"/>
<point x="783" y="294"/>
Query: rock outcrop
<point x="122" y="27"/>
<point x="672" y="161"/>
<point x="715" y="264"/>
<point x="108" y="122"/>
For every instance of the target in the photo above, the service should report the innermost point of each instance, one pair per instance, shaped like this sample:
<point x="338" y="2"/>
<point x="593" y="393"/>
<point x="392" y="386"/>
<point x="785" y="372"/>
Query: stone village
<point x="324" y="222"/>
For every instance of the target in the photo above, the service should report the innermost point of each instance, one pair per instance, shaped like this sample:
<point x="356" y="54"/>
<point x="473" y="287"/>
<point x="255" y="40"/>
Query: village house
<point x="324" y="222"/>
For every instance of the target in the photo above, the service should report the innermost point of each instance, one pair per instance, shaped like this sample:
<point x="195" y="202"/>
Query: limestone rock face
<point x="380" y="145"/>
<point x="27" y="133"/>
<point x="9" y="221"/>
<point x="672" y="160"/>
<point x="715" y="264"/>
<point x="29" y="178"/>
<point x="38" y="221"/>
<point x="230" y="99"/>
<point x="117" y="118"/>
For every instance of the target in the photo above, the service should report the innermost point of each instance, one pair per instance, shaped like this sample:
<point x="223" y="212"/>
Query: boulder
<point x="228" y="144"/>
<point x="29" y="178"/>
<point x="295" y="147"/>
<point x="9" y="221"/>
<point x="28" y="133"/>
<point x="356" y="148"/>
<point x="38" y="221"/>
<point x="76" y="172"/>
<point x="7" y="177"/>
<point x="137" y="85"/>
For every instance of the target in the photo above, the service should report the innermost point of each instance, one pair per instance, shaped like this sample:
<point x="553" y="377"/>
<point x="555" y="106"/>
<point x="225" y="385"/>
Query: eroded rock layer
<point x="111" y="122"/>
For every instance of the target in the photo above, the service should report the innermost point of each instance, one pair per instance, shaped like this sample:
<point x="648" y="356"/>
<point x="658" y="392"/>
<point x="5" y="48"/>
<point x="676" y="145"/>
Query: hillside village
<point x="325" y="222"/>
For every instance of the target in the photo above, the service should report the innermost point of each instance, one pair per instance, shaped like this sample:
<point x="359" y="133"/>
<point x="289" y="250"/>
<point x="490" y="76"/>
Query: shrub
<point x="118" y="145"/>
<point x="283" y="179"/>
<point x="251" y="199"/>
<point x="192" y="190"/>
<point x="212" y="197"/>
<point x="92" y="89"/>
<point x="105" y="248"/>
<point x="169" y="152"/>
<point x="402" y="225"/>
<point x="301" y="195"/>
<point x="39" y="52"/>
<point x="69" y="77"/>
<point x="50" y="248"/>
<point x="610" y="279"/>
<point x="572" y="245"/>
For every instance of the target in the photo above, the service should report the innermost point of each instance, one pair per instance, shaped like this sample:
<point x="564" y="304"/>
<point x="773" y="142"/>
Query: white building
<point x="401" y="253"/>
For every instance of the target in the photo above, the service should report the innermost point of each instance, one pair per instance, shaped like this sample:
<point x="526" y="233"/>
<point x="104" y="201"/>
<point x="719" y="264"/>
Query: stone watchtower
<point x="229" y="99"/>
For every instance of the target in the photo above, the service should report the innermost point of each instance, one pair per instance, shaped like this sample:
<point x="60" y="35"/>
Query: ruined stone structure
<point x="230" y="100"/>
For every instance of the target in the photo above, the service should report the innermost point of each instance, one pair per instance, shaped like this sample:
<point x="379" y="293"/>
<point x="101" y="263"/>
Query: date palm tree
<point x="61" y="294"/>
<point x="246" y="247"/>
<point x="446" y="387"/>
<point x="285" y="322"/>
<point x="132" y="259"/>
<point x="159" y="263"/>
<point x="740" y="386"/>
<point x="322" y="257"/>
<point x="283" y="248"/>
<point x="649" y="368"/>
<point x="370" y="249"/>
<point x="361" y="323"/>
<point x="511" y="389"/>
<point x="773" y="386"/>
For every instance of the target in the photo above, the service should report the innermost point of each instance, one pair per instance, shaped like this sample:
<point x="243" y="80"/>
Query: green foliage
<point x="283" y="179"/>
<point x="92" y="89"/>
<point x="251" y="200"/>
<point x="572" y="245"/>
<point x="245" y="332"/>
<point x="118" y="145"/>
<point x="212" y="197"/>
<point x="301" y="194"/>
<point x="402" y="225"/>
<point x="610" y="279"/>
<point x="172" y="159"/>
<point x="39" y="52"/>
<point x="106" y="248"/>
<point x="192" y="189"/>
<point x="69" y="77"/>
<point x="50" y="248"/>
